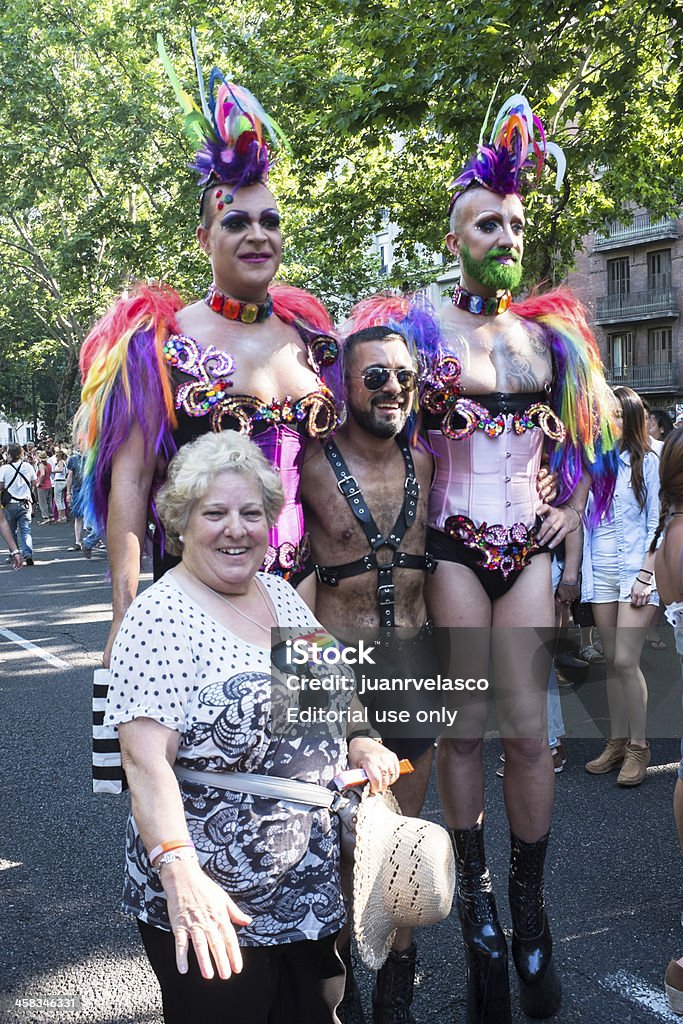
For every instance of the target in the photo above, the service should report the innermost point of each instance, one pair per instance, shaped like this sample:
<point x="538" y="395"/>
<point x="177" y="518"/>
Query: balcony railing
<point x="645" y="378"/>
<point x="641" y="229"/>
<point x="637" y="306"/>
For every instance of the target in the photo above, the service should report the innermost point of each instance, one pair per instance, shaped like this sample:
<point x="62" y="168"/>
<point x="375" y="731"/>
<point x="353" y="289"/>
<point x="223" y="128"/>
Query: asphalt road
<point x="614" y="868"/>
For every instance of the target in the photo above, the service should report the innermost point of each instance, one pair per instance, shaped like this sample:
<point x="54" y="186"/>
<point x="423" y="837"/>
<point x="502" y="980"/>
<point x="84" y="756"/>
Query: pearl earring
<point x="181" y="538"/>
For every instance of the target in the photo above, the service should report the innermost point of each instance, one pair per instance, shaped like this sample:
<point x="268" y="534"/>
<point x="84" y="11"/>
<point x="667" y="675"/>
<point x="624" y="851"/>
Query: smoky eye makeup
<point x="234" y="219"/>
<point x="239" y="219"/>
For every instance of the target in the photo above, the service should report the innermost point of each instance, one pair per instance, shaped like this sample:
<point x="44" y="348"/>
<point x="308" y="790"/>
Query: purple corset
<point x="284" y="448"/>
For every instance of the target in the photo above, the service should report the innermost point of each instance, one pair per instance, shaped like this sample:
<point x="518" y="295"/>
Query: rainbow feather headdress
<point x="233" y="135"/>
<point x="516" y="138"/>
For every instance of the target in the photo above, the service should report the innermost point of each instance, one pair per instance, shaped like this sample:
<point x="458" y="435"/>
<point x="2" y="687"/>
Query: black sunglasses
<point x="375" y="377"/>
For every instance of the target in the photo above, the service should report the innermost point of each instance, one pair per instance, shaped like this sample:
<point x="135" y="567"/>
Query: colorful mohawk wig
<point x="231" y="132"/>
<point x="516" y="138"/>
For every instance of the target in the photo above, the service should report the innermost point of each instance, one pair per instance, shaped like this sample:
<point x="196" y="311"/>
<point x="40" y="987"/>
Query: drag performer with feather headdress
<point x="508" y="382"/>
<point x="248" y="356"/>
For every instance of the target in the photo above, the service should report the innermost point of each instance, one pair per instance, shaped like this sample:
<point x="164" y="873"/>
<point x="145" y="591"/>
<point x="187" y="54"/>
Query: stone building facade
<point x="631" y="280"/>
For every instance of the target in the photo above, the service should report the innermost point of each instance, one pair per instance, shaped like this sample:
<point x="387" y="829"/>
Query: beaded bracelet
<point x="172" y="844"/>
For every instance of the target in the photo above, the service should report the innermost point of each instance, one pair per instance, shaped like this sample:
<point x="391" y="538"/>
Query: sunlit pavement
<point x="614" y="869"/>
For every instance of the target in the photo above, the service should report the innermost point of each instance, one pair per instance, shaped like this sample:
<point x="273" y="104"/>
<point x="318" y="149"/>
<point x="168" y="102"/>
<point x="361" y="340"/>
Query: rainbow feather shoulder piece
<point x="125" y="380"/>
<point x="580" y="396"/>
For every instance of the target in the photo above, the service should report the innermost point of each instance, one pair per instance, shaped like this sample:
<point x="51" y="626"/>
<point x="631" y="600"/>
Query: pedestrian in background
<point x="59" y="476"/>
<point x="17" y="481"/>
<point x="659" y="425"/>
<point x="44" y="487"/>
<point x="618" y="580"/>
<point x="669" y="570"/>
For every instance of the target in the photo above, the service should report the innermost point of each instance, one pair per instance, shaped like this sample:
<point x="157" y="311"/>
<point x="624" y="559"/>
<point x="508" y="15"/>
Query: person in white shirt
<point x="17" y="483"/>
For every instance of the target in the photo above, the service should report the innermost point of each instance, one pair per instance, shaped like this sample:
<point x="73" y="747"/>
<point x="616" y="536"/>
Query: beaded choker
<point x="233" y="309"/>
<point x="479" y="305"/>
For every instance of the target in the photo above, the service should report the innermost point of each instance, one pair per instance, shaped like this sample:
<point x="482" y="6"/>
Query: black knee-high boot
<point x="488" y="988"/>
<point x="532" y="945"/>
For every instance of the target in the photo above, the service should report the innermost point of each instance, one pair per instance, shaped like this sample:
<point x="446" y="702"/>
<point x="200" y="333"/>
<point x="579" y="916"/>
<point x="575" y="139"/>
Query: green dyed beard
<point x="489" y="272"/>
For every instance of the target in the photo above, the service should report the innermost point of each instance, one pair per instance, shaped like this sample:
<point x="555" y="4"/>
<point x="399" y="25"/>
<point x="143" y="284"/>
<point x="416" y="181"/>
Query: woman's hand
<point x="640" y="594"/>
<point x="202" y="913"/>
<point x="380" y="764"/>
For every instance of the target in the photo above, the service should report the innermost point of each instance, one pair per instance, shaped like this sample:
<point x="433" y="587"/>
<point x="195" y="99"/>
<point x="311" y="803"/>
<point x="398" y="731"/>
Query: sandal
<point x="591" y="656"/>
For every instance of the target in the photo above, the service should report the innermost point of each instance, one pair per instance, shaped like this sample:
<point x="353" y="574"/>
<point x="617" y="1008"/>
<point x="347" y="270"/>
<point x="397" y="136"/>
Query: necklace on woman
<point x="233" y="309"/>
<point x="234" y="607"/>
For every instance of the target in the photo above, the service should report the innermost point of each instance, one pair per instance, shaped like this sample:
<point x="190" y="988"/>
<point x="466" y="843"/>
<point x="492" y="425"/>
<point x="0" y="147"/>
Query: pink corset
<point x="284" y="447"/>
<point x="488" y="479"/>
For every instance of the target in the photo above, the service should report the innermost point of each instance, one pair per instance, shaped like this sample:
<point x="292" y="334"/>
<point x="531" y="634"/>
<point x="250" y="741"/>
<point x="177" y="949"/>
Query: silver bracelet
<point x="183" y="853"/>
<point x="15" y="552"/>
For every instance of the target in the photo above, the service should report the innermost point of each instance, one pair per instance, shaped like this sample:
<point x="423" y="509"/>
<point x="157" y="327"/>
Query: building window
<point x="659" y="270"/>
<point x="619" y="353"/>
<point x="618" y="276"/>
<point x="659" y="345"/>
<point x="383" y="268"/>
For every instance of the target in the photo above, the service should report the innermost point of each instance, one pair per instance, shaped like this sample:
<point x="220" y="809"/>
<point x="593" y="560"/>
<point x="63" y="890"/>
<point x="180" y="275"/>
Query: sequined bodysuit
<point x="204" y="401"/>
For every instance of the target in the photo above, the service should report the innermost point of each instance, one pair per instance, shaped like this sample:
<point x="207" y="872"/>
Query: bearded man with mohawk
<point x="506" y="383"/>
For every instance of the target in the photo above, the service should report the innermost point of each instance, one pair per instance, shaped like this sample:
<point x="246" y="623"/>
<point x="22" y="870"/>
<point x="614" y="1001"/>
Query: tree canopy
<point x="381" y="101"/>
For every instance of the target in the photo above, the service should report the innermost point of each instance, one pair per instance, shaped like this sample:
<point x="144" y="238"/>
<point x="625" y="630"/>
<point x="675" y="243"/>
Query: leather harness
<point x="348" y="486"/>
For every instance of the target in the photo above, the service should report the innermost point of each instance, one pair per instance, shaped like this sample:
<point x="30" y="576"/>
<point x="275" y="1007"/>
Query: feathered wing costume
<point x="580" y="396"/>
<point x="126" y="371"/>
<point x="127" y="380"/>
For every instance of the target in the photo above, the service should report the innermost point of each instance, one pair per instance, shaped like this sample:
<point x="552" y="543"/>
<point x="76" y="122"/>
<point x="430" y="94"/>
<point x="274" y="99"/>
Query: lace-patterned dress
<point x="279" y="861"/>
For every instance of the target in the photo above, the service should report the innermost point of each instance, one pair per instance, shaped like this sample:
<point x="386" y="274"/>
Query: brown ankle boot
<point x="635" y="765"/>
<point x="611" y="757"/>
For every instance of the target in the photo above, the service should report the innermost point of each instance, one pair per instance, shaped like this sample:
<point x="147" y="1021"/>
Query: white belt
<point x="272" y="786"/>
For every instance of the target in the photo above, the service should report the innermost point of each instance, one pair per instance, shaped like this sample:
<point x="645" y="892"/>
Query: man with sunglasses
<point x="365" y="505"/>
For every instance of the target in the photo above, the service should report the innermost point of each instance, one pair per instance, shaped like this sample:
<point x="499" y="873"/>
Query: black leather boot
<point x="488" y="987"/>
<point x="540" y="986"/>
<point x="350" y="1010"/>
<point x="393" y="992"/>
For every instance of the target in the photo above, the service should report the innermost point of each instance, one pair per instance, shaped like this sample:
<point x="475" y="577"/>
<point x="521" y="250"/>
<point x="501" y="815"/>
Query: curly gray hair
<point x="192" y="469"/>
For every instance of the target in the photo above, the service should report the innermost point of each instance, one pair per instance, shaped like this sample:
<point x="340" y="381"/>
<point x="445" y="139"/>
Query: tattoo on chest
<point x="521" y="365"/>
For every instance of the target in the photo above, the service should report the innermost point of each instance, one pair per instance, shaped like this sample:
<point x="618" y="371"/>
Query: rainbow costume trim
<point x="580" y="396"/>
<point x="126" y="364"/>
